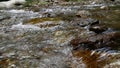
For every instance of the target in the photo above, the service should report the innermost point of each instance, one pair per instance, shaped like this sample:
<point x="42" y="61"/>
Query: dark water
<point x="110" y="17"/>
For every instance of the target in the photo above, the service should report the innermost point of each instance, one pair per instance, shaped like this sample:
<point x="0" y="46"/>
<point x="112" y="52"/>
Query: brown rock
<point x="96" y="41"/>
<point x="77" y="41"/>
<point x="91" y="60"/>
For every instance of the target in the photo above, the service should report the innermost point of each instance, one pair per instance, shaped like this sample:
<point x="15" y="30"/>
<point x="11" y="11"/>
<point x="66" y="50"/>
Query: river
<point x="54" y="37"/>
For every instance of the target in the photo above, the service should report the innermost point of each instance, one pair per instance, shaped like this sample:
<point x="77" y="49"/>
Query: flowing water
<point x="41" y="39"/>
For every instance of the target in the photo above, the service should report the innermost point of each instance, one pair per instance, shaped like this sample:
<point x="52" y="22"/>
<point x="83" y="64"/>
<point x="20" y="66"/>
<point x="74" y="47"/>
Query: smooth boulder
<point x="11" y="3"/>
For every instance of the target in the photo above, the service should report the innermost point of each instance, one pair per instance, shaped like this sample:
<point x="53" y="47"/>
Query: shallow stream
<point x="42" y="39"/>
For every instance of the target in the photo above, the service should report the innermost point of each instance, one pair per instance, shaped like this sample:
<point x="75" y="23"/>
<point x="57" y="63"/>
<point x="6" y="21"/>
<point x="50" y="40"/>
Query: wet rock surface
<point x="98" y="28"/>
<point x="57" y="37"/>
<point x="81" y="22"/>
<point x="96" y="41"/>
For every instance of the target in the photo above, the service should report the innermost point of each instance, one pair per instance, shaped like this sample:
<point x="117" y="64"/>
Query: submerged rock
<point x="84" y="22"/>
<point x="96" y="41"/>
<point x="98" y="28"/>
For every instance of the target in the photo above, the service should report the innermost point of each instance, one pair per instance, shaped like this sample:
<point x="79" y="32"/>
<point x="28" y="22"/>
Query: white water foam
<point x="25" y="27"/>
